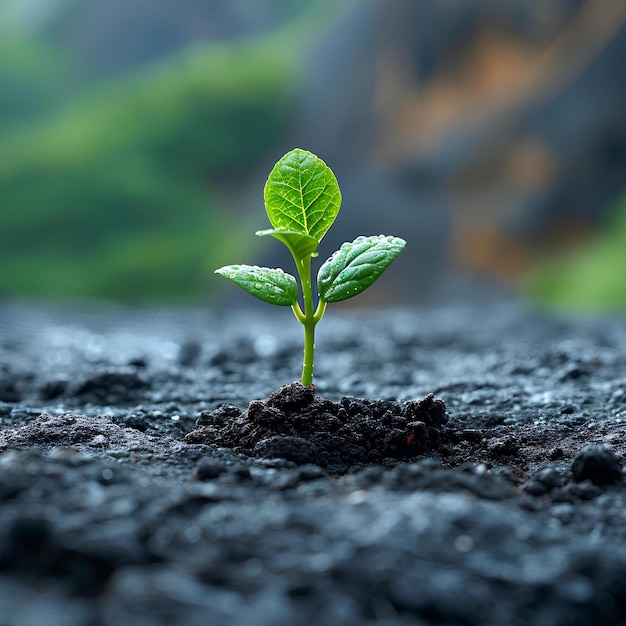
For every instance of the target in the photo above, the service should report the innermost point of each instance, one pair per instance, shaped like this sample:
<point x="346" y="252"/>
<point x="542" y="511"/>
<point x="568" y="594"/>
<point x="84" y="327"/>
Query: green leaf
<point x="302" y="194"/>
<point x="299" y="244"/>
<point x="270" y="285"/>
<point x="356" y="265"/>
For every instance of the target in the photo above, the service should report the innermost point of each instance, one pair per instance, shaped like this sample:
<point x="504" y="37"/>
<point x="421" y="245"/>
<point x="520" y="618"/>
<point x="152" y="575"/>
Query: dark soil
<point x="296" y="425"/>
<point x="145" y="480"/>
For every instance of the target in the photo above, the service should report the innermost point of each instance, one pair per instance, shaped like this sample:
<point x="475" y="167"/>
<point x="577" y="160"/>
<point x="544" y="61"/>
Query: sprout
<point x="302" y="200"/>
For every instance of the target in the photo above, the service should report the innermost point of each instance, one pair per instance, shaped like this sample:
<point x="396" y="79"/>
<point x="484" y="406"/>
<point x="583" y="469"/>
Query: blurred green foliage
<point x="112" y="196"/>
<point x="34" y="78"/>
<point x="115" y="189"/>
<point x="594" y="277"/>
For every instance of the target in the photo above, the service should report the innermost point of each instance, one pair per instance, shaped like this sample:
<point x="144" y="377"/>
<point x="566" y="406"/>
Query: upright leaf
<point x="302" y="194"/>
<point x="267" y="284"/>
<point x="356" y="265"/>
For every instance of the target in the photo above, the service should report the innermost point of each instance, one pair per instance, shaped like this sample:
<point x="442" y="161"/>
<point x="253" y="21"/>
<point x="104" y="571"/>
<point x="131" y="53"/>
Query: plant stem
<point x="310" y="318"/>
<point x="309" y="353"/>
<point x="304" y="270"/>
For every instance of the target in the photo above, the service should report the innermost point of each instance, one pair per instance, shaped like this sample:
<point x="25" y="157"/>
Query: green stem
<point x="319" y="312"/>
<point x="309" y="353"/>
<point x="308" y="318"/>
<point x="297" y="311"/>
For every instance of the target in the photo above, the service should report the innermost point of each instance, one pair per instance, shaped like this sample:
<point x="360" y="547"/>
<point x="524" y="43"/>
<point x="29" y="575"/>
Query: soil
<point x="453" y="466"/>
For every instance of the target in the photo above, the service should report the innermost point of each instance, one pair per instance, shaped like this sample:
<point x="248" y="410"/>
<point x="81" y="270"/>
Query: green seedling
<point x="302" y="199"/>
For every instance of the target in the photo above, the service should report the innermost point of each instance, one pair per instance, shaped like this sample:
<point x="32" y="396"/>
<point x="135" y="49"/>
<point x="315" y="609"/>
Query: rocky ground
<point x="454" y="466"/>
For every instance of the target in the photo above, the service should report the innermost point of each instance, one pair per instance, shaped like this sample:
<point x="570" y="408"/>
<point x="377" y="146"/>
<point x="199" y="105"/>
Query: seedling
<point x="302" y="199"/>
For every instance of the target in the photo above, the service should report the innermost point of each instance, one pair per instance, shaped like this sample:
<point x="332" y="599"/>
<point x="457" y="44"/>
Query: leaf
<point x="302" y="194"/>
<point x="299" y="244"/>
<point x="270" y="285"/>
<point x="356" y="265"/>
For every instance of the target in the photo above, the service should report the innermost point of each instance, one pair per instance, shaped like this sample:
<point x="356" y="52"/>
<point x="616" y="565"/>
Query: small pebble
<point x="597" y="464"/>
<point x="242" y="472"/>
<point x="535" y="488"/>
<point x="550" y="477"/>
<point x="585" y="490"/>
<point x="310" y="472"/>
<point x="208" y="469"/>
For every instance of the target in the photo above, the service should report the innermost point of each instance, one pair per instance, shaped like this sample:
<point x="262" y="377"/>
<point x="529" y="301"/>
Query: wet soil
<point x="454" y="466"/>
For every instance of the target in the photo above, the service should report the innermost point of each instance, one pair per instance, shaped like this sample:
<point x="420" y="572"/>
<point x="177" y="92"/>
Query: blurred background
<point x="136" y="136"/>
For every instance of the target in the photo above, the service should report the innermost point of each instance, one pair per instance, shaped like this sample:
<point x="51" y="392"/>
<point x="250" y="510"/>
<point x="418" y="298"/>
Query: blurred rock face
<point x="498" y="125"/>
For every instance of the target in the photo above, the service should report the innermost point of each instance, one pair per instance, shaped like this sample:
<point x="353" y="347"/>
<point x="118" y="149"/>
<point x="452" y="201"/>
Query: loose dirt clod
<point x="295" y="424"/>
